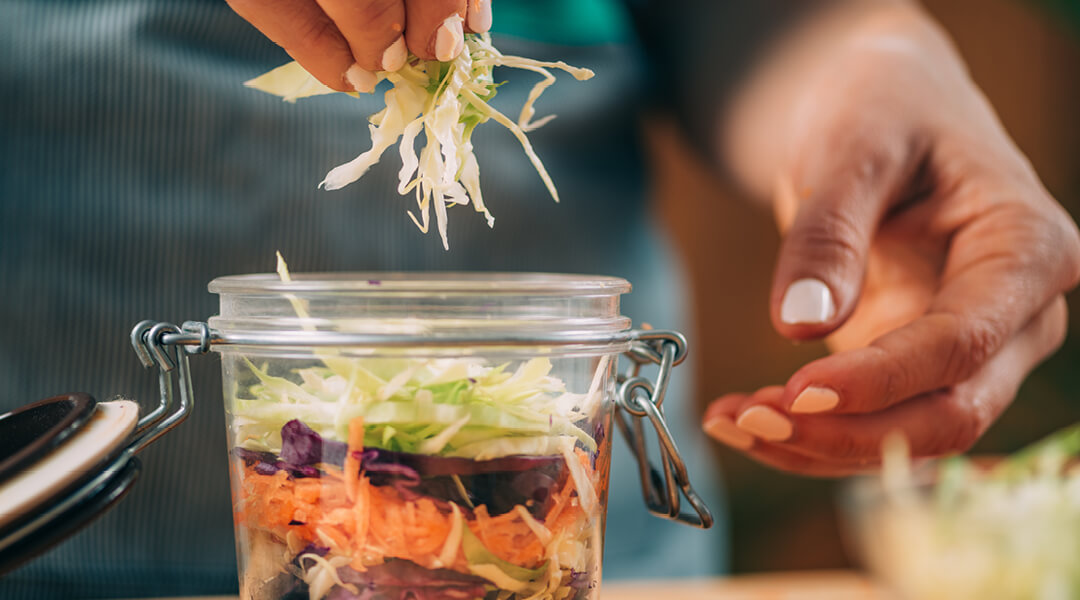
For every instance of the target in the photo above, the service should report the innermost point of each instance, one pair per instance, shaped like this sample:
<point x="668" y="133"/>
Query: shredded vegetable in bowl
<point x="445" y="101"/>
<point x="972" y="531"/>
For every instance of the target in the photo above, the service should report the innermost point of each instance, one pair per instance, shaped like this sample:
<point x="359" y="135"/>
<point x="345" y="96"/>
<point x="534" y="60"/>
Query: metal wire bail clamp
<point x="638" y="398"/>
<point x="159" y="344"/>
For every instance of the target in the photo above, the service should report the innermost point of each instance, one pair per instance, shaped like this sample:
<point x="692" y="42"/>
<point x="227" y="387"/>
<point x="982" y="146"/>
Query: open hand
<point x="920" y="241"/>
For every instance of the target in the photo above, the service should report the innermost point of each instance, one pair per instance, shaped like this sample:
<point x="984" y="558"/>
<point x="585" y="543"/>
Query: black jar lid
<point x="63" y="462"/>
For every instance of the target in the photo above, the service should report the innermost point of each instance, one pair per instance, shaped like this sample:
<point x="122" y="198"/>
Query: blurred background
<point x="1025" y="54"/>
<point x="1026" y="57"/>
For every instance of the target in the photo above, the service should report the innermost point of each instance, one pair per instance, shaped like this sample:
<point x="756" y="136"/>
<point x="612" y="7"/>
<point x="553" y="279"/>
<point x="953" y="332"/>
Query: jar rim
<point x="425" y="282"/>
<point x="436" y="309"/>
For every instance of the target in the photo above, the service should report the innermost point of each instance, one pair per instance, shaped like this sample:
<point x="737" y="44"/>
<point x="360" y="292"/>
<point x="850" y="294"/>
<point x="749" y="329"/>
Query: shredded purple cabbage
<point x="427" y="465"/>
<point x="313" y="549"/>
<point x="265" y="468"/>
<point x="379" y="470"/>
<point x="404" y="479"/>
<point x="266" y="464"/>
<point x="599" y="432"/>
<point x="500" y="483"/>
<point x="301" y="445"/>
<point x="581" y="580"/>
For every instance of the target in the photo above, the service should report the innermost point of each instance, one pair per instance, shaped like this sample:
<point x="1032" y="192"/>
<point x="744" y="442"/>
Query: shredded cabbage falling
<point x="445" y="101"/>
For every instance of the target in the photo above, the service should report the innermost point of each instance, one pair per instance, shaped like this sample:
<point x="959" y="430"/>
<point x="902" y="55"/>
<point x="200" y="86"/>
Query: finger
<point x="1002" y="270"/>
<point x="306" y="33"/>
<point x="937" y="423"/>
<point x="436" y="28"/>
<point x="374" y="30"/>
<point x="843" y="194"/>
<point x="478" y="16"/>
<point x="740" y="419"/>
<point x="719" y="423"/>
<point x="757" y="416"/>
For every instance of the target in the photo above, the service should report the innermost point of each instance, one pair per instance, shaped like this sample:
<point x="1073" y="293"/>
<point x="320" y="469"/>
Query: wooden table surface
<point x="813" y="585"/>
<point x="823" y="585"/>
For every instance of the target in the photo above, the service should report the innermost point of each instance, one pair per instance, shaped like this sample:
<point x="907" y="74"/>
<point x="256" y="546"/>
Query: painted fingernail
<point x="395" y="56"/>
<point x="814" y="400"/>
<point x="361" y="79"/>
<point x="765" y="423"/>
<point x="724" y="430"/>
<point x="807" y="301"/>
<point x="478" y="15"/>
<point x="449" y="39"/>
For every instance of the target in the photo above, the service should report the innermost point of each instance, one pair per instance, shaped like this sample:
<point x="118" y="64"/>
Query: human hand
<point x="342" y="43"/>
<point x="918" y="239"/>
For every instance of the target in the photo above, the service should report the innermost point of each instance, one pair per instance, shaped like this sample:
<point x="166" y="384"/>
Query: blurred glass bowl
<point x="963" y="529"/>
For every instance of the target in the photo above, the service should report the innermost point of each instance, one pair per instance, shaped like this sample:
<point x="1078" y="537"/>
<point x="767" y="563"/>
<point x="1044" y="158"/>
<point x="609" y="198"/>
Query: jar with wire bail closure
<point x="442" y="435"/>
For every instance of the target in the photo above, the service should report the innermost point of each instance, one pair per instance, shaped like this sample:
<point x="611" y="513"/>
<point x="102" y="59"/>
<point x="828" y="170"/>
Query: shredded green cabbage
<point x="462" y="407"/>
<point x="1011" y="531"/>
<point x="507" y="576"/>
<point x="449" y="407"/>
<point x="445" y="101"/>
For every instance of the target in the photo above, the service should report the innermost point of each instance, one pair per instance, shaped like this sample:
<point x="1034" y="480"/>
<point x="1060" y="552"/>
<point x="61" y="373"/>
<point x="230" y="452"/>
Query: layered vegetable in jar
<point x="419" y="436"/>
<point x="418" y="479"/>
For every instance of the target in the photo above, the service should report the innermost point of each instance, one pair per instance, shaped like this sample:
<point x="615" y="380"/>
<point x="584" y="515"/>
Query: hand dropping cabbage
<point x="445" y="101"/>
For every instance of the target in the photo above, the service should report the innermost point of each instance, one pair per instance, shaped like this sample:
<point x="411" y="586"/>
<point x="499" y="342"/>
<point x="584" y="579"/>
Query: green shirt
<point x="565" y="22"/>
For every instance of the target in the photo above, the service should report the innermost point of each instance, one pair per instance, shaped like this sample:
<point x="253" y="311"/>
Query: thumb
<point x="823" y="255"/>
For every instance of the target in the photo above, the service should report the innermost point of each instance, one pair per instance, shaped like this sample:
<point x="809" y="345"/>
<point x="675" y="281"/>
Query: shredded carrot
<point x="410" y="515"/>
<point x="335" y="538"/>
<point x="529" y="552"/>
<point x="561" y="500"/>
<point x="374" y="523"/>
<point x="603" y="460"/>
<point x="307" y="490"/>
<point x="483" y="525"/>
<point x="352" y="464"/>
<point x="507" y="536"/>
<point x="584" y="459"/>
<point x="361" y="510"/>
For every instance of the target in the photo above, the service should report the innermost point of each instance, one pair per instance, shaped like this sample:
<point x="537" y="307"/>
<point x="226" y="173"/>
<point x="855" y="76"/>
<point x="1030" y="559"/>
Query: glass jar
<point x="429" y="436"/>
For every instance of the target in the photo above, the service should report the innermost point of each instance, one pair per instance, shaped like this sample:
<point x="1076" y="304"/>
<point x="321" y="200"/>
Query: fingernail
<point x="361" y="79"/>
<point x="394" y="57"/>
<point x="814" y="400"/>
<point x="478" y="15"/>
<point x="765" y="423"/>
<point x="449" y="39"/>
<point x="807" y="301"/>
<point x="724" y="430"/>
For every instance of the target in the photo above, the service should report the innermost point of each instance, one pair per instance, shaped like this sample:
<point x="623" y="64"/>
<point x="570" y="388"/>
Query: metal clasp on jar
<point x="639" y="398"/>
